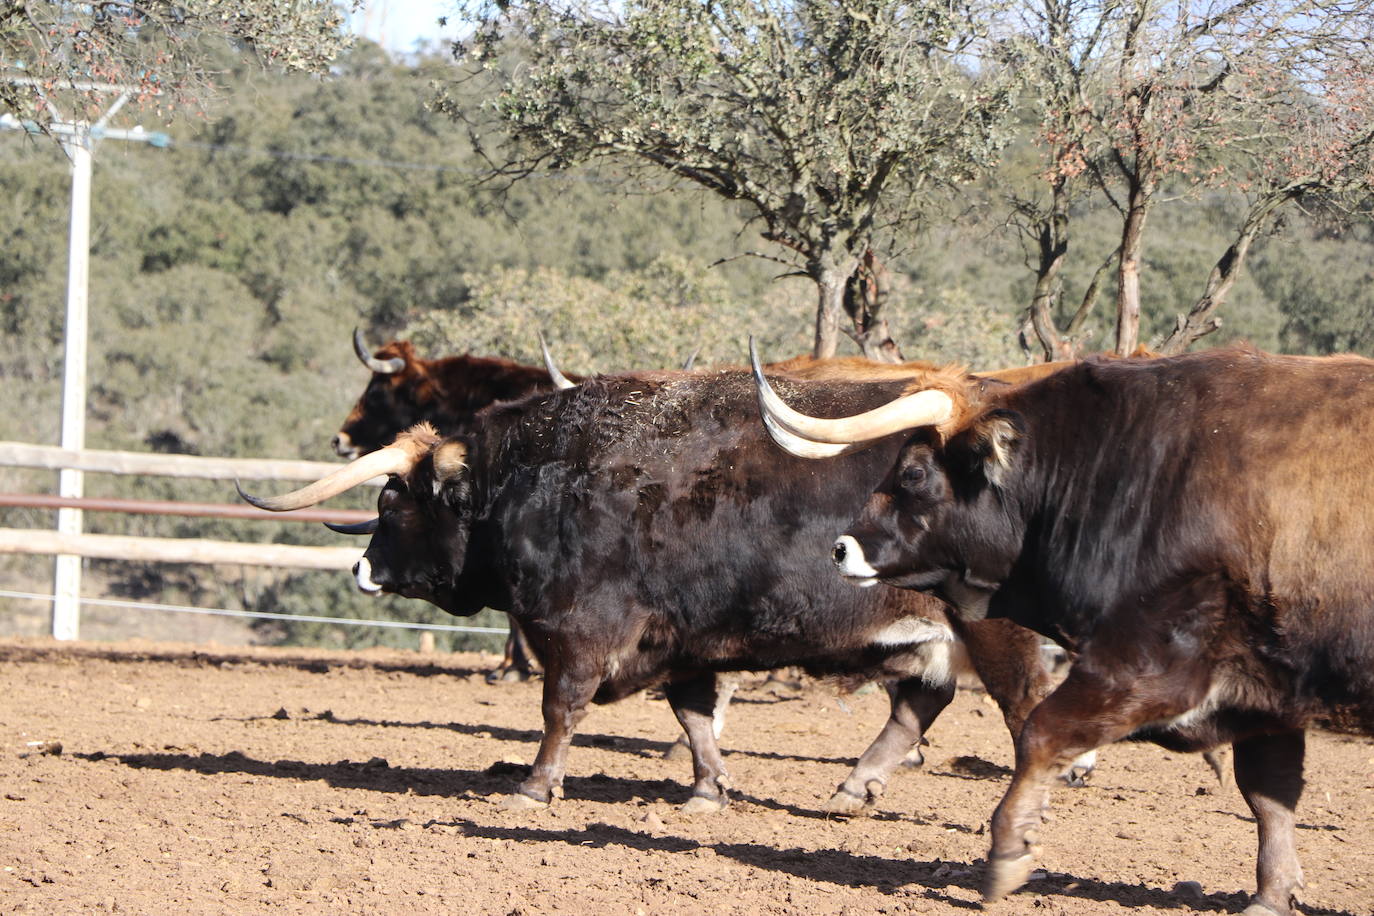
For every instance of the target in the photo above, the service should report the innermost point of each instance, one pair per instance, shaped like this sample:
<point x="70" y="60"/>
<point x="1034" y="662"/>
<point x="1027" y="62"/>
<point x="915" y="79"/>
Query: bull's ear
<point x="990" y="444"/>
<point x="450" y="464"/>
<point x="450" y="459"/>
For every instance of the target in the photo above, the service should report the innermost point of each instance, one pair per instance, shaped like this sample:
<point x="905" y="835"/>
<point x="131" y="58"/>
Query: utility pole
<point x="78" y="139"/>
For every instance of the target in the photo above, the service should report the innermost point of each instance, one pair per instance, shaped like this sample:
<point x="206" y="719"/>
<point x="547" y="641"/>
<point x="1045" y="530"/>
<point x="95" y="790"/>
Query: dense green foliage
<point x="229" y="270"/>
<point x="158" y="49"/>
<point x="834" y="124"/>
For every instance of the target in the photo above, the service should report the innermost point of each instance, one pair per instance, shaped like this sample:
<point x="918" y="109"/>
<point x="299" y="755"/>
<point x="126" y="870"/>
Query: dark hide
<point x="444" y="392"/>
<point x="1199" y="530"/>
<point x="644" y="530"/>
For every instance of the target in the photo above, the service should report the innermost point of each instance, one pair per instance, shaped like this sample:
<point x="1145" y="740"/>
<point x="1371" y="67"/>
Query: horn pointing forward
<point x="367" y="527"/>
<point x="560" y="381"/>
<point x="380" y="366"/>
<point x="391" y="460"/>
<point x="921" y="408"/>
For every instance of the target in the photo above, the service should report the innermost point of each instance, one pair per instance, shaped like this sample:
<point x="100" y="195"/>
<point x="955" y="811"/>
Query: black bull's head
<point x="414" y="552"/>
<point x="950" y="478"/>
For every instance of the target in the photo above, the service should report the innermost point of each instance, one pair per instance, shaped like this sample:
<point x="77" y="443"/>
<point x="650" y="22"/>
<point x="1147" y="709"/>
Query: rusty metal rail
<point x="171" y="507"/>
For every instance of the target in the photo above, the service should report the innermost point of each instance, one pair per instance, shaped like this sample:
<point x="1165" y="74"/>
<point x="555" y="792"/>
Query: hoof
<point x="914" y="759"/>
<point x="1076" y="777"/>
<point x="1006" y="875"/>
<point x="848" y="803"/>
<point x="522" y="802"/>
<point x="1079" y="770"/>
<point x="678" y="750"/>
<point x="507" y="676"/>
<point x="699" y="804"/>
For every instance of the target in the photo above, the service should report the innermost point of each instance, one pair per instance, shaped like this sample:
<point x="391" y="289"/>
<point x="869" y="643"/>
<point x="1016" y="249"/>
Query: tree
<point x="1147" y="99"/>
<point x="153" y="45"/>
<point x="1314" y="146"/>
<point x="834" y="123"/>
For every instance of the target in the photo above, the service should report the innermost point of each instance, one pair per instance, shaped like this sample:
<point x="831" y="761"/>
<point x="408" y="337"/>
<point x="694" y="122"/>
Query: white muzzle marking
<point x="849" y="559"/>
<point x="362" y="574"/>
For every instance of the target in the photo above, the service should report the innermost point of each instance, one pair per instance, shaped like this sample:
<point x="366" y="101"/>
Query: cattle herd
<point x="1195" y="532"/>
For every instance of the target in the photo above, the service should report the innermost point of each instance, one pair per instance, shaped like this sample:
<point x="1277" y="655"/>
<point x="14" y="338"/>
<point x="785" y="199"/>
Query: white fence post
<point x="66" y="609"/>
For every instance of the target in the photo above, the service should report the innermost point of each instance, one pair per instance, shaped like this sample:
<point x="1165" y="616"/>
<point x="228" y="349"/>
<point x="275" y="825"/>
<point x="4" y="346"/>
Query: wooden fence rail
<point x="176" y="550"/>
<point x="181" y="509"/>
<point x="22" y="454"/>
<point x="165" y="550"/>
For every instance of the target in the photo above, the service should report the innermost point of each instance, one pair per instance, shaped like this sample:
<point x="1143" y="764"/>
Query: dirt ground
<point x="161" y="777"/>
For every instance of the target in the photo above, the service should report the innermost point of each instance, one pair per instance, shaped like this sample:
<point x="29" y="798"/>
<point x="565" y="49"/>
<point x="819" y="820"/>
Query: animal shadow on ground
<point x="501" y="778"/>
<point x="824" y="865"/>
<point x="888" y="876"/>
<point x="191" y="658"/>
<point x="376" y="775"/>
<point x="1328" y="828"/>
<point x="643" y="747"/>
<point x="970" y="767"/>
<point x="830" y="866"/>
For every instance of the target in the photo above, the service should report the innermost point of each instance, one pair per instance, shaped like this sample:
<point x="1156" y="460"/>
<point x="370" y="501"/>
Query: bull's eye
<point x="912" y="477"/>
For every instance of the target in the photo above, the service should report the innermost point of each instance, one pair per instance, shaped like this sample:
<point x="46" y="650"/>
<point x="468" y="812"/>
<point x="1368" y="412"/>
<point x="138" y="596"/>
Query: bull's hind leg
<point x="727" y="683"/>
<point x="698" y="702"/>
<point x="518" y="663"/>
<point x="915" y="704"/>
<point x="569" y="685"/>
<point x="1009" y="660"/>
<point x="1269" y="775"/>
<point x="1092" y="707"/>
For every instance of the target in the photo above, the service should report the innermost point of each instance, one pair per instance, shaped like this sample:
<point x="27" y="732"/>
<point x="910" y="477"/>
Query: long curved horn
<point x="921" y="408"/>
<point x="691" y="360"/>
<point x="806" y="448"/>
<point x="560" y="381"/>
<point x="390" y="460"/>
<point x="380" y="366"/>
<point x="367" y="527"/>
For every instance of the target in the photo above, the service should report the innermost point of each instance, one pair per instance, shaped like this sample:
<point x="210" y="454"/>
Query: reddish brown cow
<point x="406" y="389"/>
<point x="1197" y="529"/>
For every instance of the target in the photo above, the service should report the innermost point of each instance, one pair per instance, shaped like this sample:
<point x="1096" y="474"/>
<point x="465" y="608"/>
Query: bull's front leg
<point x="699" y="704"/>
<point x="1269" y="774"/>
<point x="570" y="682"/>
<point x="915" y="704"/>
<point x="1089" y="709"/>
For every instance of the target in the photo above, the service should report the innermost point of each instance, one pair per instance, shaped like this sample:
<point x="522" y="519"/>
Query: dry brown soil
<point x="158" y="778"/>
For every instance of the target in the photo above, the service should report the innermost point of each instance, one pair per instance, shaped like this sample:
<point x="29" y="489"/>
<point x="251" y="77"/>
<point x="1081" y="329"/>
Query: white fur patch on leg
<point x="726" y="685"/>
<point x="1085" y="761"/>
<point x="912" y="630"/>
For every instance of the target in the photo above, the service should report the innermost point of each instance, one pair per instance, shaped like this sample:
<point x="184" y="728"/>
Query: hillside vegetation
<point x="229" y="270"/>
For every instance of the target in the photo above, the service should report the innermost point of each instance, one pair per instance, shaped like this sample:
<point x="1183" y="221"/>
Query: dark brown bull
<point x="1197" y="529"/>
<point x="643" y="530"/>
<point x="405" y="389"/>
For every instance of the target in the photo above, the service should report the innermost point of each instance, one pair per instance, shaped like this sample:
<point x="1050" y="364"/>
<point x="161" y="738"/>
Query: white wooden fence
<point x="178" y="550"/>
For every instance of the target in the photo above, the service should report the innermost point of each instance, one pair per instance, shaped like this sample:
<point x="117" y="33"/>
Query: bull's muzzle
<point x="848" y="556"/>
<point x="362" y="575"/>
